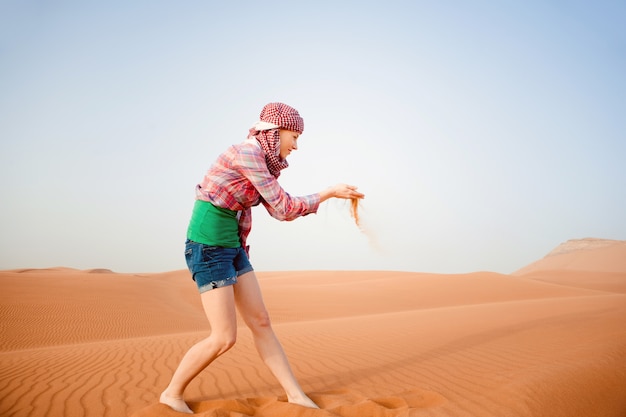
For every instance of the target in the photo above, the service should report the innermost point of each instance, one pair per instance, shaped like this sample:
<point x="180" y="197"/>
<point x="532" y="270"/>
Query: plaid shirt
<point x="240" y="179"/>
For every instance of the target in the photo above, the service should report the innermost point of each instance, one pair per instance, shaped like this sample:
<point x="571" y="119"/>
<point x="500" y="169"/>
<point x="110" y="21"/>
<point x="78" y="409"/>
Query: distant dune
<point x="595" y="255"/>
<point x="548" y="340"/>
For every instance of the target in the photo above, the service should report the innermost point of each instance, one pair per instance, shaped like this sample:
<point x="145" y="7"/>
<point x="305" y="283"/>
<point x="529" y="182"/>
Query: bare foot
<point x="175" y="403"/>
<point x="303" y="401"/>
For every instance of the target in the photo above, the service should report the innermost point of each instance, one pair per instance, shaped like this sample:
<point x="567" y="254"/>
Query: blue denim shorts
<point x="214" y="266"/>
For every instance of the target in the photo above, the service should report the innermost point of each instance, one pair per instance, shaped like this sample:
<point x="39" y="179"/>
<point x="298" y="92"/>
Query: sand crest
<point x="548" y="341"/>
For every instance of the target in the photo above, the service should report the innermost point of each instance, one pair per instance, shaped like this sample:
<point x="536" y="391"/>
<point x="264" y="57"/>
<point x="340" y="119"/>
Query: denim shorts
<point x="214" y="266"/>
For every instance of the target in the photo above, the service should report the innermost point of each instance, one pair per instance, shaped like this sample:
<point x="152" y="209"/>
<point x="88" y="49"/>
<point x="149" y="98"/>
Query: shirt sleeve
<point x="279" y="204"/>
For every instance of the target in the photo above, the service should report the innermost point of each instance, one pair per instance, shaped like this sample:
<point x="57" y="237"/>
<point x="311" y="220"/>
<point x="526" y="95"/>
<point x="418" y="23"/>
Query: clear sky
<point x="483" y="133"/>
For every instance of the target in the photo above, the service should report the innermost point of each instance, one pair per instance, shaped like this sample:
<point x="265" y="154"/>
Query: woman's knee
<point x="259" y="321"/>
<point x="223" y="341"/>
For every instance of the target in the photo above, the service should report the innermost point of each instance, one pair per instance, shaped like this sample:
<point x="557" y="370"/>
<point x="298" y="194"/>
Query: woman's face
<point x="288" y="142"/>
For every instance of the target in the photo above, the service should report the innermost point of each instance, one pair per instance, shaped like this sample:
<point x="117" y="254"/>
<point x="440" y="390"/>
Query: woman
<point x="217" y="255"/>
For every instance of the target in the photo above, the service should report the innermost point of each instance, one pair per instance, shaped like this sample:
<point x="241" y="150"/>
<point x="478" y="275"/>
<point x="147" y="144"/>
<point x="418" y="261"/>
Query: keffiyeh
<point x="275" y="116"/>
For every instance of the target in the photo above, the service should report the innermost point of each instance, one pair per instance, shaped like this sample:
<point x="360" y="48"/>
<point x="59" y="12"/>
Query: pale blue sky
<point x="483" y="133"/>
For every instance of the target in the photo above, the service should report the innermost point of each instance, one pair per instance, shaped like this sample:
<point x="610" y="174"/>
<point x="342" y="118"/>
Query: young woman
<point x="217" y="254"/>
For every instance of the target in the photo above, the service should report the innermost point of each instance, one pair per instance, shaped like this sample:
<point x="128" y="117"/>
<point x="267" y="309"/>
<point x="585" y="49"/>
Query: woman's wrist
<point x="326" y="194"/>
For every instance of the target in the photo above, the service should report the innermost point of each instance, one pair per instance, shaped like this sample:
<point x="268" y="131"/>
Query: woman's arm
<point x="250" y="162"/>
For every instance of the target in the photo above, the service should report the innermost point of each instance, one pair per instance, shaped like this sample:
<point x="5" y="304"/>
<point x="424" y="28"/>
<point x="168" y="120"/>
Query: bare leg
<point x="250" y="304"/>
<point x="219" y="307"/>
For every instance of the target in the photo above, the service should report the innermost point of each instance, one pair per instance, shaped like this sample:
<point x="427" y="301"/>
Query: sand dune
<point x="547" y="341"/>
<point x="594" y="255"/>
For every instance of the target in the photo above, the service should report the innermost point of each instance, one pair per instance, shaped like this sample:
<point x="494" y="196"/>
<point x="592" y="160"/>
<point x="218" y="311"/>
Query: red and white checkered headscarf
<point x="275" y="116"/>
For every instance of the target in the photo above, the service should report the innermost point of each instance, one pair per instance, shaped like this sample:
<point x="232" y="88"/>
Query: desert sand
<point x="548" y="340"/>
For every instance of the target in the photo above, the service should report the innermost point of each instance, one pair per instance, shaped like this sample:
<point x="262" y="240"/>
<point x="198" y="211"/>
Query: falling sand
<point x="354" y="213"/>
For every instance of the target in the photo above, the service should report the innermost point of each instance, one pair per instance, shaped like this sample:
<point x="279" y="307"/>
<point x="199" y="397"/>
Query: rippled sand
<point x="547" y="341"/>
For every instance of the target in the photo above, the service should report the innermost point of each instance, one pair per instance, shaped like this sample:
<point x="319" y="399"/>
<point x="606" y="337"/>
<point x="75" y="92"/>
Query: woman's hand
<point x="341" y="191"/>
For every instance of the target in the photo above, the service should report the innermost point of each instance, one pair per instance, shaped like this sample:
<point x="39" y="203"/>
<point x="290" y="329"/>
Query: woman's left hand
<point x="341" y="191"/>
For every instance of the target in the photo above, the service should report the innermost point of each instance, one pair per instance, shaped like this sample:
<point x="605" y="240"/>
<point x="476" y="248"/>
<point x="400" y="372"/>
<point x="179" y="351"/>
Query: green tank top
<point x="213" y="226"/>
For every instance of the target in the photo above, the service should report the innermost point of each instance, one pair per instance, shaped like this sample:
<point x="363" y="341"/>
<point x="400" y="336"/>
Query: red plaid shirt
<point x="239" y="180"/>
